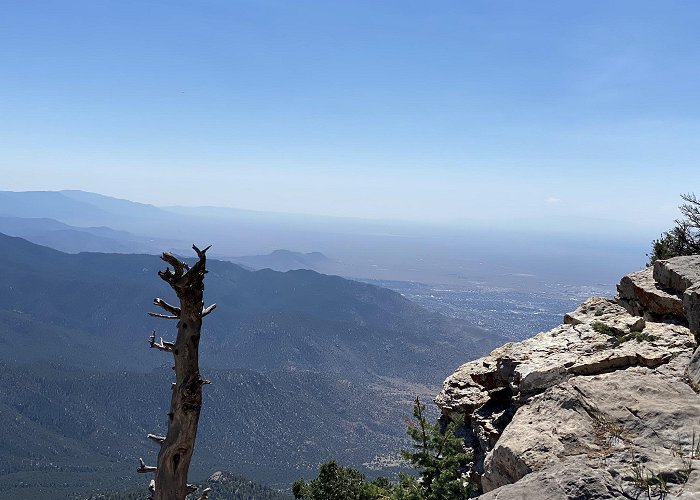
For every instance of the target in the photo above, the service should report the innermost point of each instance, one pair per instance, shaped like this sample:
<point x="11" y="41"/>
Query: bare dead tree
<point x="691" y="210"/>
<point x="186" y="402"/>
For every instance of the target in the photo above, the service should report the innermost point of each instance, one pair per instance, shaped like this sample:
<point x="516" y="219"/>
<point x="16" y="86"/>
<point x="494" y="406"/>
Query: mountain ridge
<point x="113" y="292"/>
<point x="305" y="367"/>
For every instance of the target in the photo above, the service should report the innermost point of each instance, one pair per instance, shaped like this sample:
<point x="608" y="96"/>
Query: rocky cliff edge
<point x="604" y="406"/>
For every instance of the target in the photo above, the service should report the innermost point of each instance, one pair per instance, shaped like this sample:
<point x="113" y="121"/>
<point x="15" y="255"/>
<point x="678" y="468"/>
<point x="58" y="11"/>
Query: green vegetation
<point x="341" y="483"/>
<point x="639" y="337"/>
<point x="684" y="238"/>
<point x="687" y="456"/>
<point x="652" y="484"/>
<point x="62" y="437"/>
<point x="438" y="454"/>
<point x="224" y="486"/>
<point x="600" y="327"/>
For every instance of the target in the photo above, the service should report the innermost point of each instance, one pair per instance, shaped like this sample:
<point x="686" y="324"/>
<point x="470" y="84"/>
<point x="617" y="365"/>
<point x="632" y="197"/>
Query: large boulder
<point x="678" y="273"/>
<point x="563" y="480"/>
<point x="599" y="336"/>
<point x="642" y="295"/>
<point x="668" y="291"/>
<point x="613" y="422"/>
<point x="682" y="275"/>
<point x="599" y="407"/>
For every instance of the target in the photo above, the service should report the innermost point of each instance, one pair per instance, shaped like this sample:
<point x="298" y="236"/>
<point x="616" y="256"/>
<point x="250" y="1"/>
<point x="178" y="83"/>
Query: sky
<point x="442" y="111"/>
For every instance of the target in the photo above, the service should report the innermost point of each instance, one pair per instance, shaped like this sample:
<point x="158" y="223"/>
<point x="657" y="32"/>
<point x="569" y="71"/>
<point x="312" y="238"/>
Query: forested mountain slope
<point x="92" y="308"/>
<point x="304" y="367"/>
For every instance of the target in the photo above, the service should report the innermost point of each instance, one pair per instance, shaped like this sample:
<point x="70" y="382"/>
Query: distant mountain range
<point x="286" y="260"/>
<point x="73" y="239"/>
<point x="550" y="250"/>
<point x="305" y="367"/>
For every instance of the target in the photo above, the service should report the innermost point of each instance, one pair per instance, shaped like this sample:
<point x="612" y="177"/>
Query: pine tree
<point x="341" y="483"/>
<point x="441" y="458"/>
<point x="438" y="454"/>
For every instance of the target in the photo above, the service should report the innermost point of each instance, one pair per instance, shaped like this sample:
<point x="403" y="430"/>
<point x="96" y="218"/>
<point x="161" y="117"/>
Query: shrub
<point x="684" y="238"/>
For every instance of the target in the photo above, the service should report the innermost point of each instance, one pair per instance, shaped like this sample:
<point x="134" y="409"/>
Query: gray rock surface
<point x="694" y="370"/>
<point x="641" y="294"/>
<point x="682" y="275"/>
<point x="606" y="422"/>
<point x="603" y="406"/>
<point x="678" y="273"/>
<point x="574" y="480"/>
<point x="691" y="304"/>
<point x="593" y="341"/>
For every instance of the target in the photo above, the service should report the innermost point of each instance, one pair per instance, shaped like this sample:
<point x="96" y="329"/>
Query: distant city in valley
<point x="515" y="314"/>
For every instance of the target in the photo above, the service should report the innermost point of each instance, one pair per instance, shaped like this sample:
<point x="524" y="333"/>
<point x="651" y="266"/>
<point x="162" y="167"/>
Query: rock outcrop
<point x="668" y="291"/>
<point x="604" y="406"/>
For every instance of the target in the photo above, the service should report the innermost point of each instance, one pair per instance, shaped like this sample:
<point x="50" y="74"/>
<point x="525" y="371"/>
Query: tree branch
<point x="163" y="346"/>
<point x="156" y="438"/>
<point x="143" y="468"/>
<point x="171" y="309"/>
<point x="200" y="253"/>
<point x="177" y="264"/>
<point x="205" y="494"/>
<point x="198" y="269"/>
<point x="164" y="316"/>
<point x="208" y="310"/>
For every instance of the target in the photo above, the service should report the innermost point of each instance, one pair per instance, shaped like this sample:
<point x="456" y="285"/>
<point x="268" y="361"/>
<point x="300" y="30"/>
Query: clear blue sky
<point x="432" y="110"/>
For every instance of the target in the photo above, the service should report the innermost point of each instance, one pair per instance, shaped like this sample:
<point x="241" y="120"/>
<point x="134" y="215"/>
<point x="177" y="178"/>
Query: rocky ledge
<point x="604" y="406"/>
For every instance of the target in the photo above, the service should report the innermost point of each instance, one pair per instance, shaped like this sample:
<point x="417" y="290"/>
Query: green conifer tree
<point x="437" y="453"/>
<point x="441" y="458"/>
<point x="335" y="482"/>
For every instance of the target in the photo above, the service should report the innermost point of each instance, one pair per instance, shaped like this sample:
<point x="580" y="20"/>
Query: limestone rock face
<point x="683" y="275"/>
<point x="642" y="295"/>
<point x="678" y="273"/>
<point x="603" y="406"/>
<point x="590" y="342"/>
<point x="668" y="291"/>
<point x="560" y="480"/>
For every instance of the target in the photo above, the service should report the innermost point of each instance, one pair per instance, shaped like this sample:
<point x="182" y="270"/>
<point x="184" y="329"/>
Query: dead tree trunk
<point x="177" y="446"/>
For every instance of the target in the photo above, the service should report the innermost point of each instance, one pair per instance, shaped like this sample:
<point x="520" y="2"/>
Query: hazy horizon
<point x="552" y="224"/>
<point x="524" y="256"/>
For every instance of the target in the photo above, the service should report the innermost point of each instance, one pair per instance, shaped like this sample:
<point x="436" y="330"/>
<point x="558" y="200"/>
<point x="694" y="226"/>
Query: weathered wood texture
<point x="177" y="446"/>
